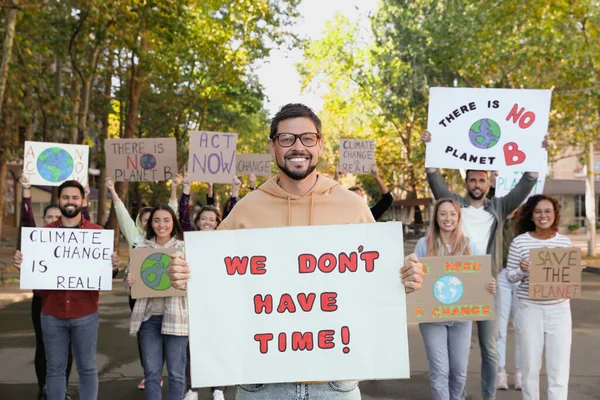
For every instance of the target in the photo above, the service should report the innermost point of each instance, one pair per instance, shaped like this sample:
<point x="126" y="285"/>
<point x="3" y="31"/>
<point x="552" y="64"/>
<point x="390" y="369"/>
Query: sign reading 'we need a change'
<point x="328" y="308"/>
<point x="487" y="129"/>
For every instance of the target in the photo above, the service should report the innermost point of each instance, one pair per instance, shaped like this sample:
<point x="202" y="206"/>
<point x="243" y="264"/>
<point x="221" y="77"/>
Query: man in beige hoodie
<point x="298" y="196"/>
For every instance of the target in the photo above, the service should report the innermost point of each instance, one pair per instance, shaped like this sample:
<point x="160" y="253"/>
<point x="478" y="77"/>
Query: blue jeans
<point x="447" y="345"/>
<point x="487" y="332"/>
<point x="155" y="348"/>
<point x="82" y="334"/>
<point x="344" y="390"/>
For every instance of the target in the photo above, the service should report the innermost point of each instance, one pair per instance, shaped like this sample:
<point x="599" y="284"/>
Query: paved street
<point x="120" y="370"/>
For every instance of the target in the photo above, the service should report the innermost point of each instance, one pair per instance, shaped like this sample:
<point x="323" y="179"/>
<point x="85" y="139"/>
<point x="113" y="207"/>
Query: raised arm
<point x="210" y="195"/>
<point x="184" y="204"/>
<point x="27" y="219"/>
<point x="386" y="199"/>
<point x="126" y="223"/>
<point x="85" y="209"/>
<point x="176" y="181"/>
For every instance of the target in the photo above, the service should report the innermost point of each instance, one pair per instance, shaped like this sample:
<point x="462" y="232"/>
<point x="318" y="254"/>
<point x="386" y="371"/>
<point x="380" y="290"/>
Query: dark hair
<point x="49" y="206"/>
<point x="524" y="218"/>
<point x="211" y="209"/>
<point x="150" y="234"/>
<point x="355" y="188"/>
<point x="475" y="170"/>
<point x="71" y="183"/>
<point x="294" y="110"/>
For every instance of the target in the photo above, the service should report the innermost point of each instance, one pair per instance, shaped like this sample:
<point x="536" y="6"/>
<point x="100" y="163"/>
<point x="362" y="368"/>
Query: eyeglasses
<point x="308" y="139"/>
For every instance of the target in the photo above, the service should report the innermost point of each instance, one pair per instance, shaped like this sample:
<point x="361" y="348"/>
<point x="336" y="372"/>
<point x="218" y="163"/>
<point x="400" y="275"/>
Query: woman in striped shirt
<point x="541" y="323"/>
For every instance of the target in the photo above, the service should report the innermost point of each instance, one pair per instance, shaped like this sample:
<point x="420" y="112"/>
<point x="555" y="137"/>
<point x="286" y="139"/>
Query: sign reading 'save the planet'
<point x="487" y="129"/>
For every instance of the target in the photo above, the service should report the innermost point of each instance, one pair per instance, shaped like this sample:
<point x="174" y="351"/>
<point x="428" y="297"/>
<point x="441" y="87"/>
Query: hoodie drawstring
<point x="289" y="211"/>
<point x="312" y="202"/>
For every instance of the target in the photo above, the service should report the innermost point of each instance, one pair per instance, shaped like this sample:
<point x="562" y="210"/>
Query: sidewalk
<point x="12" y="294"/>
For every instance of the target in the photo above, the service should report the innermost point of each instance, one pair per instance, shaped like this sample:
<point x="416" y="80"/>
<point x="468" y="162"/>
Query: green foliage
<point x="379" y="80"/>
<point x="198" y="71"/>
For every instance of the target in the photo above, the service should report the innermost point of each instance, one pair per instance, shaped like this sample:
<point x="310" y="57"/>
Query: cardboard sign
<point x="149" y="266"/>
<point x="507" y="180"/>
<point x="257" y="164"/>
<point x="50" y="164"/>
<point x="357" y="156"/>
<point x="327" y="307"/>
<point x="66" y="259"/>
<point x="212" y="156"/>
<point x="555" y="273"/>
<point x="453" y="290"/>
<point x="141" y="160"/>
<point x="487" y="129"/>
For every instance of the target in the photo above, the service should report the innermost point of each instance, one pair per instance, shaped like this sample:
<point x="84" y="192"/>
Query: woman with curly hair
<point x="541" y="323"/>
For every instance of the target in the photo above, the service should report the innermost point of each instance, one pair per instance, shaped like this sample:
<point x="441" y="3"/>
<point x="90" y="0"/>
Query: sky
<point x="278" y="73"/>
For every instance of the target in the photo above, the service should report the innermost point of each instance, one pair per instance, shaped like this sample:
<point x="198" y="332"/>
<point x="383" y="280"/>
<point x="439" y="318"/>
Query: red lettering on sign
<point x="512" y="154"/>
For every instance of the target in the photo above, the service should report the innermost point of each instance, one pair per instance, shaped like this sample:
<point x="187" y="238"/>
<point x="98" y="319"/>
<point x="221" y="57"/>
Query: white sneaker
<point x="502" y="381"/>
<point x="218" y="395"/>
<point x="191" y="395"/>
<point x="518" y="381"/>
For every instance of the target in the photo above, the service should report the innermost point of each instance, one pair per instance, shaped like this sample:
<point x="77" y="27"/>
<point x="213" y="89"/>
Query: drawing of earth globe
<point x="55" y="164"/>
<point x="484" y="134"/>
<point x="448" y="289"/>
<point x="148" y="161"/>
<point x="154" y="271"/>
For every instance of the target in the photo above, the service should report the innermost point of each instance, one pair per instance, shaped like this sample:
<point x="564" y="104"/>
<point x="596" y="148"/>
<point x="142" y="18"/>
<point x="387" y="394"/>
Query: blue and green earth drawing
<point x="154" y="271"/>
<point x="448" y="289"/>
<point x="484" y="134"/>
<point x="148" y="161"/>
<point x="55" y="164"/>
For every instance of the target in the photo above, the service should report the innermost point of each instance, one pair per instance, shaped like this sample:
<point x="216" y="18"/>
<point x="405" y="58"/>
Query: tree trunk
<point x="103" y="136"/>
<point x="3" y="177"/>
<point x="9" y="38"/>
<point x="87" y="91"/>
<point x="75" y="102"/>
<point x="135" y="92"/>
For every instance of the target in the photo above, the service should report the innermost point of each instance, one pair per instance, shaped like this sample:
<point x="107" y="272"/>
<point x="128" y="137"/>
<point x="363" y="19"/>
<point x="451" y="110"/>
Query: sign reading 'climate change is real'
<point x="333" y="302"/>
<point x="487" y="129"/>
<point x="66" y="259"/>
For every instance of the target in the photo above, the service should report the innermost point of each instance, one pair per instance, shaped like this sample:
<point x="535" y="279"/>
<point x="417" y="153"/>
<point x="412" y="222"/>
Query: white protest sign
<point x="212" y="156"/>
<point x="50" y="164"/>
<point x="357" y="156"/>
<point x="257" y="164"/>
<point x="66" y="259"/>
<point x="327" y="307"/>
<point x="507" y="180"/>
<point x="487" y="129"/>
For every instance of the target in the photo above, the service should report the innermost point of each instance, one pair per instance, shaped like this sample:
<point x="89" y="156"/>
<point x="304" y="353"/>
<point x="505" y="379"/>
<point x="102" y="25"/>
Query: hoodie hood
<point x="322" y="186"/>
<point x="327" y="203"/>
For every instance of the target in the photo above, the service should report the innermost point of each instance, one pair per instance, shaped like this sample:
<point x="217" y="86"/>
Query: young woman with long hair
<point x="540" y="323"/>
<point x="447" y="343"/>
<point x="162" y="322"/>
